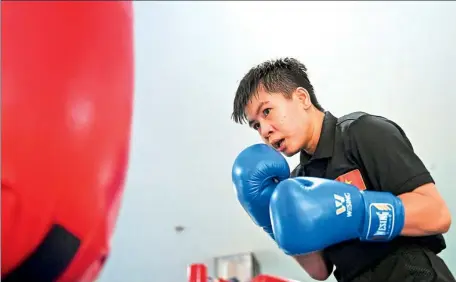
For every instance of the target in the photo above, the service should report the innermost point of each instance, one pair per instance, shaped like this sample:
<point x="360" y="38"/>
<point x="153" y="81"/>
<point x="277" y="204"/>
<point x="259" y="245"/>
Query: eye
<point x="266" y="111"/>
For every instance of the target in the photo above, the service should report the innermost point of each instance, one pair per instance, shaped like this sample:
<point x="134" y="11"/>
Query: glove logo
<point x="382" y="219"/>
<point x="343" y="204"/>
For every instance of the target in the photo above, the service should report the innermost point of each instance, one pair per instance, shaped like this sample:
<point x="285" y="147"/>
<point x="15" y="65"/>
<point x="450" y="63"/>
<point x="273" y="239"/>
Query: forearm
<point x="315" y="265"/>
<point x="424" y="214"/>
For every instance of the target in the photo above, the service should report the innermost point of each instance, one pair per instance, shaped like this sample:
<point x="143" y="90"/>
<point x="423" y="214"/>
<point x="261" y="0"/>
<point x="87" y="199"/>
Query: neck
<point x="317" y="121"/>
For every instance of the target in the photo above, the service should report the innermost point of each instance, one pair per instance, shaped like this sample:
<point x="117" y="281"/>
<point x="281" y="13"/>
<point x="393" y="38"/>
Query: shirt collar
<point x="325" y="145"/>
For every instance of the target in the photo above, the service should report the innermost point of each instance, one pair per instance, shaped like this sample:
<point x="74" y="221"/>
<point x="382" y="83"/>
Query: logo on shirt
<point x="343" y="204"/>
<point x="354" y="178"/>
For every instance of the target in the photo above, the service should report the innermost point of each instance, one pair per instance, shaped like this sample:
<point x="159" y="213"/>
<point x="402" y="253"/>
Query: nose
<point x="265" y="130"/>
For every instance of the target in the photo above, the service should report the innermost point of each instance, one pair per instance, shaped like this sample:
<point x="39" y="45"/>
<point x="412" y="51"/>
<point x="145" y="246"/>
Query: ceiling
<point x="394" y="59"/>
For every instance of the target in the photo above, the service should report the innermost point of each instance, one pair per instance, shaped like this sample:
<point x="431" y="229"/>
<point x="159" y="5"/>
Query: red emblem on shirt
<point x="354" y="178"/>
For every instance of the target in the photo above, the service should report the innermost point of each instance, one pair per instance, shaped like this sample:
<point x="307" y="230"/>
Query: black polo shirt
<point x="372" y="153"/>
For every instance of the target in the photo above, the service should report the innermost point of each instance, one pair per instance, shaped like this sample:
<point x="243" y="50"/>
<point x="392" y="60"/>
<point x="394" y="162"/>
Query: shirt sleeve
<point x="381" y="148"/>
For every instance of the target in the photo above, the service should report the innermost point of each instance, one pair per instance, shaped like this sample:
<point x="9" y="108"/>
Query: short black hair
<point x="282" y="75"/>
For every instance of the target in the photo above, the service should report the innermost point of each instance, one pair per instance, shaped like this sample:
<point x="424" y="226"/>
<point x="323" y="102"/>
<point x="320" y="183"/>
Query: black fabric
<point x="386" y="155"/>
<point x="408" y="264"/>
<point x="49" y="260"/>
<point x="381" y="152"/>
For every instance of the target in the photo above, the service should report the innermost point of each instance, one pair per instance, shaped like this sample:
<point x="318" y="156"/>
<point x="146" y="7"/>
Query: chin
<point x="290" y="152"/>
<point x="289" y="155"/>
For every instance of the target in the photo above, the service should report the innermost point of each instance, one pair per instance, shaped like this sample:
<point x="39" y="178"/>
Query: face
<point x="284" y="123"/>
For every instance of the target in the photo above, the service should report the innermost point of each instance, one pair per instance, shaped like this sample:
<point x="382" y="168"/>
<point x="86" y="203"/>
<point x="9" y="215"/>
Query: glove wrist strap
<point x="384" y="216"/>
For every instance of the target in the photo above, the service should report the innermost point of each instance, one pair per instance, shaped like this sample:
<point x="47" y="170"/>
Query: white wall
<point x="388" y="58"/>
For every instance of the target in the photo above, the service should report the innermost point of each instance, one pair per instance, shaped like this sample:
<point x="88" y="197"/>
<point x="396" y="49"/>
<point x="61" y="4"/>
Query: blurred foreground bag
<point x="67" y="93"/>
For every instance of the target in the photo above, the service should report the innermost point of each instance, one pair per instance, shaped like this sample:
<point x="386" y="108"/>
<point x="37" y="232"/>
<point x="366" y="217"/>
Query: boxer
<point x="360" y="199"/>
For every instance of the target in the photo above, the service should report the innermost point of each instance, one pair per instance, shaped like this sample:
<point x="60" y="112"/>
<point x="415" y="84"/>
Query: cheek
<point x="282" y="123"/>
<point x="296" y="125"/>
<point x="288" y="121"/>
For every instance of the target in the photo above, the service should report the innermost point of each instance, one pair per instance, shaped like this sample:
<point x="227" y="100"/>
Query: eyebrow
<point x="258" y="111"/>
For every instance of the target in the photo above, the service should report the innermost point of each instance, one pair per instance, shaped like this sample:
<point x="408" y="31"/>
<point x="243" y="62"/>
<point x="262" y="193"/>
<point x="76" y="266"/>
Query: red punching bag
<point x="67" y="91"/>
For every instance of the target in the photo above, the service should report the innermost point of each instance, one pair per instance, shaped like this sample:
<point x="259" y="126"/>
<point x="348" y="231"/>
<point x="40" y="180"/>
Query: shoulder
<point x="374" y="129"/>
<point x="364" y="121"/>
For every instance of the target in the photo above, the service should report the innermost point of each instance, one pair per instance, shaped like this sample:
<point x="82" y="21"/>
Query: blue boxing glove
<point x="256" y="172"/>
<point x="309" y="214"/>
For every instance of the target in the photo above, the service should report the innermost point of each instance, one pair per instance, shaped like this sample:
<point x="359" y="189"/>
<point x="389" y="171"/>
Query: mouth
<point x="279" y="145"/>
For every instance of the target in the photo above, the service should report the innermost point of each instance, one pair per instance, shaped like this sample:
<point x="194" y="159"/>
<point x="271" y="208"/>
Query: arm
<point x="392" y="166"/>
<point x="426" y="213"/>
<point x="315" y="265"/>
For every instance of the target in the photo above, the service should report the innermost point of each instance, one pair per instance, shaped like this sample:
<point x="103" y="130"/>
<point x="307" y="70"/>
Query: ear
<point x="303" y="97"/>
